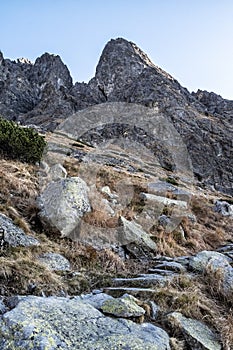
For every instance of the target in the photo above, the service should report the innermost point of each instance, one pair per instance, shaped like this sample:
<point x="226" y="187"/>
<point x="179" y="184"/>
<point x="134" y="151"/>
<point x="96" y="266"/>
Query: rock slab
<point x="62" y="323"/>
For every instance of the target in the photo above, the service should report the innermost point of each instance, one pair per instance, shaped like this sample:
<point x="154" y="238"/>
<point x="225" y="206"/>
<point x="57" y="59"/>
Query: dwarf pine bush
<point x="24" y="144"/>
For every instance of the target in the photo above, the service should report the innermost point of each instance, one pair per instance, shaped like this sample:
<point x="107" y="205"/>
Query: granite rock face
<point x="42" y="93"/>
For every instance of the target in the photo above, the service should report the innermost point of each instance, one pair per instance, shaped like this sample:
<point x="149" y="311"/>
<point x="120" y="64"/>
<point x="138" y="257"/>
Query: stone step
<point x="118" y="291"/>
<point x="171" y="266"/>
<point x="162" y="272"/>
<point x="142" y="281"/>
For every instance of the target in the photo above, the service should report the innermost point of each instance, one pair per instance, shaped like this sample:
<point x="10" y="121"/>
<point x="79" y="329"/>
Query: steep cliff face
<point x="43" y="94"/>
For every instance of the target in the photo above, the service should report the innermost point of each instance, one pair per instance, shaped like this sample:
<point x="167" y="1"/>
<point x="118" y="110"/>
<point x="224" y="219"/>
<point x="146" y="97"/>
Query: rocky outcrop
<point x="42" y="93"/>
<point x="139" y="81"/>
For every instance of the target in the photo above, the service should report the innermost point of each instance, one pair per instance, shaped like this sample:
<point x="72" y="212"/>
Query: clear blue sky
<point x="192" y="40"/>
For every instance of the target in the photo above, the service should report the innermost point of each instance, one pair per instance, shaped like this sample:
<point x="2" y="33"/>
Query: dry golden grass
<point x="193" y="298"/>
<point x="19" y="189"/>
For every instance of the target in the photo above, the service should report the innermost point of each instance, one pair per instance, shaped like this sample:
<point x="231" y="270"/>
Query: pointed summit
<point x="50" y="67"/>
<point x="125" y="73"/>
<point x="121" y="62"/>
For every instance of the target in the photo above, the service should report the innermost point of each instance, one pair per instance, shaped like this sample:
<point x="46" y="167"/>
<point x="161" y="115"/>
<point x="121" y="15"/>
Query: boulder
<point x="200" y="261"/>
<point x="55" y="262"/>
<point x="136" y="240"/>
<point x="63" y="204"/>
<point x="14" y="236"/>
<point x="125" y="306"/>
<point x="57" y="172"/>
<point x="224" y="208"/>
<point x="221" y="273"/>
<point x="218" y="268"/>
<point x="197" y="334"/>
<point x="69" y="324"/>
<point x="163" y="200"/>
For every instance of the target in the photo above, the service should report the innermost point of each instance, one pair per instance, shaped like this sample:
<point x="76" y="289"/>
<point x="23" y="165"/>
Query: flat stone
<point x="96" y="300"/>
<point x="164" y="200"/>
<point x="145" y="280"/>
<point x="160" y="187"/>
<point x="137" y="292"/>
<point x="171" y="266"/>
<point x="197" y="334"/>
<point x="162" y="272"/>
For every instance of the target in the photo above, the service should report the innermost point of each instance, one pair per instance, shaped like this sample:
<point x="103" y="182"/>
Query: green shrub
<point x="24" y="144"/>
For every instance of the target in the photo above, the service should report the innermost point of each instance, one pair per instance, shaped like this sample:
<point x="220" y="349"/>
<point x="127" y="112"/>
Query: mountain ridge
<point x="43" y="94"/>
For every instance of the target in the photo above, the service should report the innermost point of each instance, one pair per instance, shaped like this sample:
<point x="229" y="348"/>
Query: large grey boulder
<point x="200" y="261"/>
<point x="63" y="204"/>
<point x="14" y="236"/>
<point x="196" y="333"/>
<point x="62" y="323"/>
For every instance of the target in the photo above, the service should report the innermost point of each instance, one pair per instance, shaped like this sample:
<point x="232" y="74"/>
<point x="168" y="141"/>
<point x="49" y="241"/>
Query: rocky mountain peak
<point x="120" y="64"/>
<point x="50" y="68"/>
